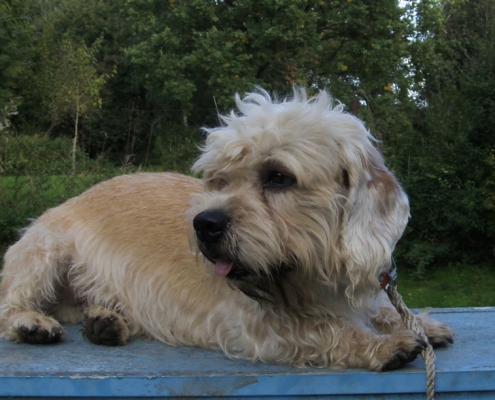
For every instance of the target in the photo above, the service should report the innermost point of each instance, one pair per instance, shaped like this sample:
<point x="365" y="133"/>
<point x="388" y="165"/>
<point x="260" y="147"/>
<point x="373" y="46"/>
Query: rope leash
<point x="411" y="323"/>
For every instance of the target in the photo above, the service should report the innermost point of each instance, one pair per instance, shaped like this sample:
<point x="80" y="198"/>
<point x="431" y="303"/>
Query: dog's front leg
<point x="331" y="342"/>
<point x="344" y="344"/>
<point x="386" y="319"/>
<point x="33" y="271"/>
<point x="275" y="335"/>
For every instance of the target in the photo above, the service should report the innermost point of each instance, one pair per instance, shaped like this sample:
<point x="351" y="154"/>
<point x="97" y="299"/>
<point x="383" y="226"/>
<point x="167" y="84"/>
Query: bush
<point x="24" y="198"/>
<point x="20" y="154"/>
<point x="35" y="174"/>
<point x="177" y="151"/>
<point x="451" y="206"/>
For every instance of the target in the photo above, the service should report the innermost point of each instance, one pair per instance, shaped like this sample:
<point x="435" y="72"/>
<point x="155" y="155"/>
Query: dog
<point x="274" y="255"/>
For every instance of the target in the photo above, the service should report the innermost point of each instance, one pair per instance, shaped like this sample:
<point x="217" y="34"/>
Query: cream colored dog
<point x="274" y="256"/>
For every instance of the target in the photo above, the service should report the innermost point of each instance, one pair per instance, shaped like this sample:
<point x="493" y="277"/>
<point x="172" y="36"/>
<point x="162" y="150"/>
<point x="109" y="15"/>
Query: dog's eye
<point x="277" y="179"/>
<point x="222" y="184"/>
<point x="216" y="184"/>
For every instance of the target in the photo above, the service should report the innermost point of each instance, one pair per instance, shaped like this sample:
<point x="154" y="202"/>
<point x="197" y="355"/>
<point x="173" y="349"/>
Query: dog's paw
<point x="34" y="328"/>
<point x="103" y="326"/>
<point x="441" y="337"/>
<point x="438" y="333"/>
<point x="405" y="348"/>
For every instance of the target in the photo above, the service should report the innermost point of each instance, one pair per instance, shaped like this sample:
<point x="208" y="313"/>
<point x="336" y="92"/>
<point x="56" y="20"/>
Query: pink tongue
<point x="223" y="267"/>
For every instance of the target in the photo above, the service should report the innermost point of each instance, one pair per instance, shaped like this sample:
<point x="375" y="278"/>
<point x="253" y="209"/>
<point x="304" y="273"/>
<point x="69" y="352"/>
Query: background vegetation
<point x="94" y="88"/>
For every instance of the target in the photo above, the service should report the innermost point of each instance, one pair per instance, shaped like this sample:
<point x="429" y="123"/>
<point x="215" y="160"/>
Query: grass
<point x="449" y="286"/>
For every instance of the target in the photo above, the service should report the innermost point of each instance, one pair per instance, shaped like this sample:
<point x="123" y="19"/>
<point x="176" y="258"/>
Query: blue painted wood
<point x="77" y="368"/>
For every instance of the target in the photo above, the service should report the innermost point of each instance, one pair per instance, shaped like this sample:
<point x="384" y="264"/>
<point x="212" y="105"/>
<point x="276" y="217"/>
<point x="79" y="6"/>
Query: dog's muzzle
<point x="210" y="227"/>
<point x="212" y="231"/>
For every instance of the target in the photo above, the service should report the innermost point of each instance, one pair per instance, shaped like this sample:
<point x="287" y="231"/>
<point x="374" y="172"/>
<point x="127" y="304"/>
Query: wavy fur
<point x="306" y="252"/>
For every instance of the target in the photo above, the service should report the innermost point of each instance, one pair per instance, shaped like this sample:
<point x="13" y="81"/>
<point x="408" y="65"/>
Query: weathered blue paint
<point x="77" y="368"/>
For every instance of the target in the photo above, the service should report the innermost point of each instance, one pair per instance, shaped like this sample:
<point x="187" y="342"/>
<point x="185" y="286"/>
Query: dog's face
<point x="296" y="187"/>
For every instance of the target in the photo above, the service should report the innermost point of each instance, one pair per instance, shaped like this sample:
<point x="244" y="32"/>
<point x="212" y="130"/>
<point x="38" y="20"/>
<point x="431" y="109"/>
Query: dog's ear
<point x="376" y="214"/>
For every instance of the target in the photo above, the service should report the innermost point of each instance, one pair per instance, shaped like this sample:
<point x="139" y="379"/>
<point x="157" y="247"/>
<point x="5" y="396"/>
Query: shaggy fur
<point x="274" y="256"/>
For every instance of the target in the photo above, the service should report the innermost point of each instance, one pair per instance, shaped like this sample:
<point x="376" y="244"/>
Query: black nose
<point x="210" y="225"/>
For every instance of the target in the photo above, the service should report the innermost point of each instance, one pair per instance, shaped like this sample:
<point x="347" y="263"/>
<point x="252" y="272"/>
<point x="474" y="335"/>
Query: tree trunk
<point x="184" y="118"/>
<point x="53" y="124"/>
<point x="74" y="142"/>
<point x="149" y="141"/>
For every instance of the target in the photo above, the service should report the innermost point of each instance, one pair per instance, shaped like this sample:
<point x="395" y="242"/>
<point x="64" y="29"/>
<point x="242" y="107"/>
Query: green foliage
<point x="35" y="174"/>
<point x="71" y="80"/>
<point x="23" y="198"/>
<point x="13" y="57"/>
<point x="179" y="62"/>
<point x="210" y="50"/>
<point x="177" y="152"/>
<point x="23" y="155"/>
<point x="447" y="163"/>
<point x="75" y="84"/>
<point x="8" y="111"/>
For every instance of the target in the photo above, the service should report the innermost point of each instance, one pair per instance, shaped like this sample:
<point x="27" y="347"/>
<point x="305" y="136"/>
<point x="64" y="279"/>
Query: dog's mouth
<point x="223" y="267"/>
<point x="227" y="268"/>
<point x="235" y="271"/>
<point x="259" y="286"/>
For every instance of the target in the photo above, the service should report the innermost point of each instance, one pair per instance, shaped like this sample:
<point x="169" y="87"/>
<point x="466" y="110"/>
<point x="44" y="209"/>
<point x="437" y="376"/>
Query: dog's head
<point x="296" y="188"/>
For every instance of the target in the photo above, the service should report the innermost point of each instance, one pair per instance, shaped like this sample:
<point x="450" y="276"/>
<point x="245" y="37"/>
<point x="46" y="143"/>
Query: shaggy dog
<point x="275" y="255"/>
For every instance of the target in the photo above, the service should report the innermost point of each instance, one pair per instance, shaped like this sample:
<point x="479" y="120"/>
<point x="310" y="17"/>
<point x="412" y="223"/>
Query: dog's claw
<point x="38" y="335"/>
<point x="403" y="357"/>
<point x="441" y="342"/>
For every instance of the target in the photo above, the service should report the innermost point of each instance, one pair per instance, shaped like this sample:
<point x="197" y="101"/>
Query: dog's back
<point x="87" y="250"/>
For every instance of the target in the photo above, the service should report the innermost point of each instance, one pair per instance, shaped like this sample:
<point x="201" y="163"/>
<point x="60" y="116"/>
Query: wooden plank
<point x="79" y="369"/>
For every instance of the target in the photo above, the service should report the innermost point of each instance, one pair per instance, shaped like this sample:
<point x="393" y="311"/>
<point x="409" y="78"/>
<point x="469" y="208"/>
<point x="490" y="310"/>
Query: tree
<point x="197" y="53"/>
<point x="88" y="22"/>
<point x="180" y="62"/>
<point x="13" y="57"/>
<point x="448" y="161"/>
<point x="365" y="46"/>
<point x="73" y="84"/>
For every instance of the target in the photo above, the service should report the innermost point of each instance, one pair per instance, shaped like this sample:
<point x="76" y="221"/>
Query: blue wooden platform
<point x="79" y="369"/>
